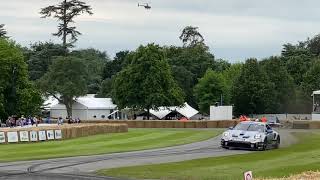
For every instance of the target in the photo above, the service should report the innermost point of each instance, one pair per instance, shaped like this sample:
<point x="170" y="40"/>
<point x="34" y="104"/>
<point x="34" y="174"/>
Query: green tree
<point x="190" y="36"/>
<point x="313" y="45"/>
<point x="210" y="89"/>
<point x="3" y="32"/>
<point x="253" y="93"/>
<point x="40" y="56"/>
<point x="65" y="12"/>
<point x="94" y="61"/>
<point x="188" y="65"/>
<point x="147" y="82"/>
<point x="298" y="60"/>
<point x="311" y="79"/>
<point x="111" y="68"/>
<point x="17" y="94"/>
<point x="284" y="84"/>
<point x="65" y="80"/>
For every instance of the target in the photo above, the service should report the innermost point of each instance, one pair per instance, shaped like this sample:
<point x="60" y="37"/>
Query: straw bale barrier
<point x="66" y="131"/>
<point x="305" y="124"/>
<point x="172" y="123"/>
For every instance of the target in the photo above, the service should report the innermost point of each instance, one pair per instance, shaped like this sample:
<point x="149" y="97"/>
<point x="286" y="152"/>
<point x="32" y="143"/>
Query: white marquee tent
<point x="85" y="108"/>
<point x="186" y="110"/>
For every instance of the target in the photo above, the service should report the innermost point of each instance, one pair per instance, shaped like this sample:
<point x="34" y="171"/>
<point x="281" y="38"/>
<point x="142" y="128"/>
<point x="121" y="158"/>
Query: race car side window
<point x="268" y="127"/>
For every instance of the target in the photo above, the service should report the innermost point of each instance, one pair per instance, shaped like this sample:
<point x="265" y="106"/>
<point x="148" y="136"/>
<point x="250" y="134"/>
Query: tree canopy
<point x="252" y="93"/>
<point x="190" y="36"/>
<point x="147" y="82"/>
<point x="17" y="94"/>
<point x="210" y="89"/>
<point x="65" y="12"/>
<point x="3" y="32"/>
<point x="65" y="80"/>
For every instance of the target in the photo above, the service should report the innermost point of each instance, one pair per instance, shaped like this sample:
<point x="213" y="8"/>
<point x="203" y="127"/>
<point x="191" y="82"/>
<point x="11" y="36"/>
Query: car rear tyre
<point x="277" y="144"/>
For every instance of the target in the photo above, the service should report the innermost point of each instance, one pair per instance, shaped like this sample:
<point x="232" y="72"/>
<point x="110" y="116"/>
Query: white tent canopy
<point x="186" y="110"/>
<point x="316" y="92"/>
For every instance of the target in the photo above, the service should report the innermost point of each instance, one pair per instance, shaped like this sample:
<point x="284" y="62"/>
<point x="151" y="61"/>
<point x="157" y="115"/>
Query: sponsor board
<point x="24" y="136"/>
<point x="33" y="136"/>
<point x="58" y="134"/>
<point x="42" y="135"/>
<point x="50" y="134"/>
<point x="248" y="175"/>
<point x="2" y="137"/>
<point x="12" y="137"/>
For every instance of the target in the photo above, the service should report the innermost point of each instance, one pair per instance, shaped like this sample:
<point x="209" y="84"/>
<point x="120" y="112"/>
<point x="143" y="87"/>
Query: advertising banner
<point x="2" y="137"/>
<point x="24" y="136"/>
<point x="50" y="134"/>
<point x="58" y="134"/>
<point x="42" y="136"/>
<point x="33" y="136"/>
<point x="12" y="137"/>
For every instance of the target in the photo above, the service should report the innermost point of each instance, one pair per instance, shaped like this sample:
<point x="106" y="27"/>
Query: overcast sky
<point x="233" y="29"/>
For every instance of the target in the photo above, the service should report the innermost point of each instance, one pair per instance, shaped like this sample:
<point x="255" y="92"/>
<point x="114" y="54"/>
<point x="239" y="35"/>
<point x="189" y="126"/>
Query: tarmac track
<point x="83" y="167"/>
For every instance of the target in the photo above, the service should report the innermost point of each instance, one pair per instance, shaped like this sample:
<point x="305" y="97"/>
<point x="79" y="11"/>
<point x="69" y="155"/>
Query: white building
<point x="221" y="112"/>
<point x="85" y="108"/>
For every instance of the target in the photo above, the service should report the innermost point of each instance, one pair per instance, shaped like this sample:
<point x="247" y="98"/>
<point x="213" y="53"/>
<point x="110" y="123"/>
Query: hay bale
<point x="149" y="124"/>
<point x="212" y="124"/>
<point x="201" y="124"/>
<point x="169" y="124"/>
<point x="131" y="124"/>
<point x="314" y="125"/>
<point x="178" y="124"/>
<point x="159" y="124"/>
<point x="190" y="124"/>
<point x="140" y="124"/>
<point x="299" y="124"/>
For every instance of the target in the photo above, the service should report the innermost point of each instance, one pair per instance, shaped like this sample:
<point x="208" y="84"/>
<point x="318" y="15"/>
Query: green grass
<point x="276" y="163"/>
<point x="135" y="139"/>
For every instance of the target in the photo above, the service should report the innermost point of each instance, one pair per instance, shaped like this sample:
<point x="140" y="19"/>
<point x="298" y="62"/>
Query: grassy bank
<point x="135" y="139"/>
<point x="295" y="159"/>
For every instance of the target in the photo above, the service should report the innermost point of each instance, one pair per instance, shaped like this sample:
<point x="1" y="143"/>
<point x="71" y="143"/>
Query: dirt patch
<point x="304" y="176"/>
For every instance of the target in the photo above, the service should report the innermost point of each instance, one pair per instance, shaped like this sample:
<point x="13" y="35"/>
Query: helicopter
<point x="145" y="5"/>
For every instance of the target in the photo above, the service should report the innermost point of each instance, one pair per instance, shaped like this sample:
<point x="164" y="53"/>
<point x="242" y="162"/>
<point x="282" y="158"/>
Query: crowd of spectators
<point x="15" y="121"/>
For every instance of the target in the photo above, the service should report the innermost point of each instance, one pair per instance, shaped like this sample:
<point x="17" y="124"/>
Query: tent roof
<point x="96" y="103"/>
<point x="316" y="92"/>
<point x="88" y="101"/>
<point x="186" y="111"/>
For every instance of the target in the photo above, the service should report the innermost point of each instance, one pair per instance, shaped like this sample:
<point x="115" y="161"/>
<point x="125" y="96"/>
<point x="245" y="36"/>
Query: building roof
<point x="186" y="110"/>
<point x="88" y="101"/>
<point x="96" y="103"/>
<point x="316" y="92"/>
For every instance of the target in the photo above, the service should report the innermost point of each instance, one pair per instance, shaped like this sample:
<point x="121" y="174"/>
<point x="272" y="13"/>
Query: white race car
<point x="250" y="135"/>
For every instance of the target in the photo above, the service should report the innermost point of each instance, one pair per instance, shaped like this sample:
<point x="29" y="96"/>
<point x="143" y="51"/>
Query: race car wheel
<point x="264" y="145"/>
<point x="277" y="143"/>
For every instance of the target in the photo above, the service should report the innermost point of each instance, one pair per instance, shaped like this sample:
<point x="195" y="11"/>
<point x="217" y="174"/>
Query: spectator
<point x="60" y="121"/>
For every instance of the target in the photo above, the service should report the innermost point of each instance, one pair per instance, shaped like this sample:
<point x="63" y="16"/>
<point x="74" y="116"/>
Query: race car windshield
<point x="250" y="127"/>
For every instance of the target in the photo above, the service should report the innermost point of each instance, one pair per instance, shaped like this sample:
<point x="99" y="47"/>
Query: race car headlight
<point x="226" y="134"/>
<point x="257" y="136"/>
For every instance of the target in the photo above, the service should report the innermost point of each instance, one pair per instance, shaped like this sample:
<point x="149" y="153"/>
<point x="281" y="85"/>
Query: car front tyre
<point x="277" y="143"/>
<point x="264" y="145"/>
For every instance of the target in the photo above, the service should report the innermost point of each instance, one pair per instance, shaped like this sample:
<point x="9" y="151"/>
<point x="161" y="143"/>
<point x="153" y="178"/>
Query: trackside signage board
<point x="12" y="137"/>
<point x="33" y="136"/>
<point x="50" y="134"/>
<point x="248" y="175"/>
<point x="42" y="136"/>
<point x="30" y="136"/>
<point x="24" y="136"/>
<point x="2" y="137"/>
<point x="58" y="134"/>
